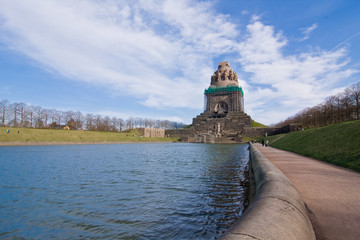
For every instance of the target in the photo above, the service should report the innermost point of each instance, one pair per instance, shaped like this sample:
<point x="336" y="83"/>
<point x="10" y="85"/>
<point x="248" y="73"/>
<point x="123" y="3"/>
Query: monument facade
<point x="223" y="118"/>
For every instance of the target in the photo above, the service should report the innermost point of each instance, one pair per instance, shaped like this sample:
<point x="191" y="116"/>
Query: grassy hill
<point x="50" y="135"/>
<point x="338" y="144"/>
<point x="257" y="124"/>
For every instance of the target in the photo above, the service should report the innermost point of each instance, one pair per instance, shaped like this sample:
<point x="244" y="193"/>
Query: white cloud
<point x="254" y="49"/>
<point x="162" y="51"/>
<point x="156" y="50"/>
<point x="286" y="83"/>
<point x="307" y="31"/>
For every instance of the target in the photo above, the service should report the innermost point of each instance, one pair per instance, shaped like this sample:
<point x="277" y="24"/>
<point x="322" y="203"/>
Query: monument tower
<point x="224" y="94"/>
<point x="223" y="117"/>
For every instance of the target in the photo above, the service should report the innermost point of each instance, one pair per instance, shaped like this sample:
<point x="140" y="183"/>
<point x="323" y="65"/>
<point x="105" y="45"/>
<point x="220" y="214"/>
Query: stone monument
<point x="223" y="118"/>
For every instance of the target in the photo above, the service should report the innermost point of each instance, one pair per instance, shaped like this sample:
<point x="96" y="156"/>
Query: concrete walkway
<point x="332" y="194"/>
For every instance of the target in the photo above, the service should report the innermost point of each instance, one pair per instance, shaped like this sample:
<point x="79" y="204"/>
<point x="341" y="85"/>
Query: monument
<point x="223" y="118"/>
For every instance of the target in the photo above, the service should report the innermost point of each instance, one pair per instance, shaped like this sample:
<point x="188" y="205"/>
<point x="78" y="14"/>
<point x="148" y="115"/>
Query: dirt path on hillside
<point x="331" y="193"/>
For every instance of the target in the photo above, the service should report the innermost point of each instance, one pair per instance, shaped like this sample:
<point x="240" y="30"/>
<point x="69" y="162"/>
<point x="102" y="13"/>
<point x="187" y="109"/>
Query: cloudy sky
<point x="154" y="58"/>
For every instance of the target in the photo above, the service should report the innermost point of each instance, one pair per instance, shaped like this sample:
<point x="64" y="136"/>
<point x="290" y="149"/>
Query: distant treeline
<point x="335" y="109"/>
<point x="30" y="116"/>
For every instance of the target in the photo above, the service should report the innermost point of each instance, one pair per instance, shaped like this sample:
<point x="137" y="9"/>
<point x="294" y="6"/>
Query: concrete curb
<point x="277" y="212"/>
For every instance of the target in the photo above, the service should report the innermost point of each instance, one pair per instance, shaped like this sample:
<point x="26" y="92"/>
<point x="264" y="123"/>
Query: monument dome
<point x="224" y="76"/>
<point x="224" y="94"/>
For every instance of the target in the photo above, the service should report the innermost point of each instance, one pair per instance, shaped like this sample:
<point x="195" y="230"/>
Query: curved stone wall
<point x="277" y="212"/>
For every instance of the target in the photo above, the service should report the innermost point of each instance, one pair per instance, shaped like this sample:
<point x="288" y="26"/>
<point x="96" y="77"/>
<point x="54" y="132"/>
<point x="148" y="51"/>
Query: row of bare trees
<point x="335" y="109"/>
<point x="29" y="116"/>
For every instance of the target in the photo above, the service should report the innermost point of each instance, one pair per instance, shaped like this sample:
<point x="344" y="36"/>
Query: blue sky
<point x="153" y="58"/>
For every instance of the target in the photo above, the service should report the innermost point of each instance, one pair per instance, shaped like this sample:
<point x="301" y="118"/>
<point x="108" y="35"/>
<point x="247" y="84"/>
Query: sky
<point x="154" y="58"/>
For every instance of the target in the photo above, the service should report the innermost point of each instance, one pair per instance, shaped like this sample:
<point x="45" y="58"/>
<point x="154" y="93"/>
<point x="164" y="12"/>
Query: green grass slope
<point x="50" y="135"/>
<point x="257" y="124"/>
<point x="338" y="144"/>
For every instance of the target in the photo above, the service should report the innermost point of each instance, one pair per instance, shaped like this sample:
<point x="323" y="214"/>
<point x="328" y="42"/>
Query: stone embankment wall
<point x="260" y="132"/>
<point x="190" y="134"/>
<point x="269" y="131"/>
<point x="277" y="211"/>
<point x="183" y="134"/>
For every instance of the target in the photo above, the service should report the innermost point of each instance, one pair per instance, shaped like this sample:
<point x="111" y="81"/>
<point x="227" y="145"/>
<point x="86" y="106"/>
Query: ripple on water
<point x="126" y="191"/>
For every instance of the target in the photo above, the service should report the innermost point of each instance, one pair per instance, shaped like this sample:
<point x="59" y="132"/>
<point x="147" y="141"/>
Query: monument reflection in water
<point x="126" y="191"/>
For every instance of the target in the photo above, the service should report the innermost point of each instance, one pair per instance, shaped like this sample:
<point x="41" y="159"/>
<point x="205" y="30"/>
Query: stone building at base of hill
<point x="151" y="132"/>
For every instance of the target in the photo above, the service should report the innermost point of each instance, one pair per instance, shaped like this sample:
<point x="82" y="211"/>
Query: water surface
<point x="121" y="191"/>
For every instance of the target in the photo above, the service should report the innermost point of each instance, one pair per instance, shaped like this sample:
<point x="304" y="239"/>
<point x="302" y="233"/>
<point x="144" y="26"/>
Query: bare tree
<point x="130" y="123"/>
<point x="346" y="106"/>
<point x="15" y="114"/>
<point x="354" y="93"/>
<point x="335" y="109"/>
<point x="68" y="116"/>
<point x="114" y="122"/>
<point x="52" y="115"/>
<point x="4" y="105"/>
<point x="121" y="124"/>
<point x="30" y="110"/>
<point x="106" y="123"/>
<point x="59" y="116"/>
<point x="46" y="114"/>
<point x="38" y="117"/>
<point x="331" y="103"/>
<point x="20" y="114"/>
<point x="89" y="119"/>
<point x="147" y="123"/>
<point x="98" y="123"/>
<point x="79" y="120"/>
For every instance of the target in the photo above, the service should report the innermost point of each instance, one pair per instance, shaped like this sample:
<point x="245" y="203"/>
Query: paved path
<point x="331" y="193"/>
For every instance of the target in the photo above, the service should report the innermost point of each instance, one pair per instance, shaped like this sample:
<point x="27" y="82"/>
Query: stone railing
<point x="277" y="211"/>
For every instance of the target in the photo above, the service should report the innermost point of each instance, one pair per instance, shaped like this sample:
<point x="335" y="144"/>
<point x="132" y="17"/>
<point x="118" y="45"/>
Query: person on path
<point x="262" y="142"/>
<point x="267" y="143"/>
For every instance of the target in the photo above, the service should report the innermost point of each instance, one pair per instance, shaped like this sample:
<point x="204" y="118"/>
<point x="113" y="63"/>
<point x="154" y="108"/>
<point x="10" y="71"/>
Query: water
<point x="121" y="191"/>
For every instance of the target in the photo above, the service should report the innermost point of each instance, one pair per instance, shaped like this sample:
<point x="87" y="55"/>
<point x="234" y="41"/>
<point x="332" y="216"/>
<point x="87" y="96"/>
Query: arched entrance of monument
<point x="220" y="110"/>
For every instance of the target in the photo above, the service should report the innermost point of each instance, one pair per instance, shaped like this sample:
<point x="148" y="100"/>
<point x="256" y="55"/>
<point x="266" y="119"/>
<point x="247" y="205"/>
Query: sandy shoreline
<point x="65" y="143"/>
